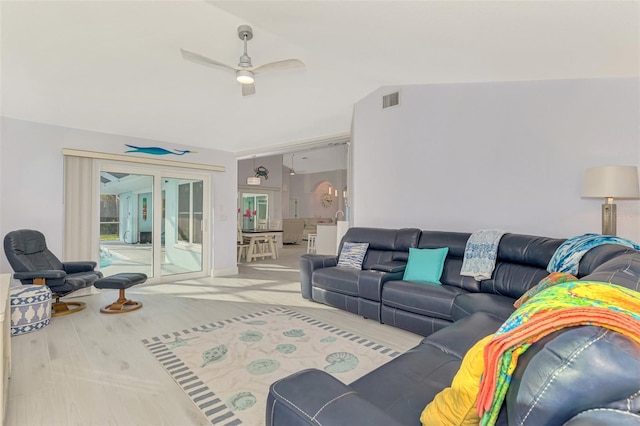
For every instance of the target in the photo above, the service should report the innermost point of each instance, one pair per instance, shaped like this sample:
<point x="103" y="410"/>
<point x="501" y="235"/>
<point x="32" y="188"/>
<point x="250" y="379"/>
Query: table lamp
<point x="611" y="182"/>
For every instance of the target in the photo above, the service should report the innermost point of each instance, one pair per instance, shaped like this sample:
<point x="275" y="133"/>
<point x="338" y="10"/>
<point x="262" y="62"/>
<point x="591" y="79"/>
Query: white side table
<point x="5" y="342"/>
<point x="326" y="239"/>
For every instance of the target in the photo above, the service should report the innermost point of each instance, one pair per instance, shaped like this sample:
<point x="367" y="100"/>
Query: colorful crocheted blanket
<point x="567" y="257"/>
<point x="563" y="305"/>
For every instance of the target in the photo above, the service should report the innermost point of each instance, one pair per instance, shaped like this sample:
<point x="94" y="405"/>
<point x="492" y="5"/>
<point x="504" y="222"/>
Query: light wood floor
<point x="92" y="369"/>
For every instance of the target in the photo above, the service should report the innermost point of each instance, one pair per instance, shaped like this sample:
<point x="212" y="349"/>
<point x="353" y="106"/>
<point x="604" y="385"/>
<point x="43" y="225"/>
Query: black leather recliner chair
<point x="33" y="263"/>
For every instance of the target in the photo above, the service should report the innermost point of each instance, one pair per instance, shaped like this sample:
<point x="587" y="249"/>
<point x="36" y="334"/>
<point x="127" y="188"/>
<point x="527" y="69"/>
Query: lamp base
<point x="609" y="219"/>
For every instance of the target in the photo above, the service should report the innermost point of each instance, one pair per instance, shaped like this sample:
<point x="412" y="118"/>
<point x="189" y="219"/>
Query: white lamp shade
<point x="611" y="182"/>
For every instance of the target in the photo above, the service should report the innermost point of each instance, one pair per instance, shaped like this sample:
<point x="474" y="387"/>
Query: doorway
<point x="255" y="211"/>
<point x="152" y="221"/>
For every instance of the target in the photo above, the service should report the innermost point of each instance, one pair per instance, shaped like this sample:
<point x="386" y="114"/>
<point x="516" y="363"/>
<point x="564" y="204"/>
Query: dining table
<point x="262" y="243"/>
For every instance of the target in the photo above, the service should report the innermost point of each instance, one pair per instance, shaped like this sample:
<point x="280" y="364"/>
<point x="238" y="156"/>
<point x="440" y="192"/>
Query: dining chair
<point x="243" y="246"/>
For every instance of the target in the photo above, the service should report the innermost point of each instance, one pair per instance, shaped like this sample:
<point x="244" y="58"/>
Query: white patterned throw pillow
<point x="352" y="255"/>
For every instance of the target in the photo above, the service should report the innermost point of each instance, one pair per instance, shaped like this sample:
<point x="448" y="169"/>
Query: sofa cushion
<point x="624" y="270"/>
<point x="528" y="249"/>
<point x="352" y="255"/>
<point x="512" y="279"/>
<point x="421" y="298"/>
<point x="521" y="264"/>
<point x="340" y="280"/>
<point x="456" y="241"/>
<point x="384" y="244"/>
<point x="467" y="304"/>
<point x="456" y="405"/>
<point x="451" y="275"/>
<point x="292" y="231"/>
<point x="599" y="255"/>
<point x="425" y="265"/>
<point x="457" y="338"/>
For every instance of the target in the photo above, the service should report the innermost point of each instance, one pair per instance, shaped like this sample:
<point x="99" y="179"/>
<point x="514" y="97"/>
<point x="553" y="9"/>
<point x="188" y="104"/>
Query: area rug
<point x="226" y="367"/>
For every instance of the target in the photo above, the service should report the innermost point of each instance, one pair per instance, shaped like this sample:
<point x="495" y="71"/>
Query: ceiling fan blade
<point x="248" y="89"/>
<point x="284" y="65"/>
<point x="203" y="60"/>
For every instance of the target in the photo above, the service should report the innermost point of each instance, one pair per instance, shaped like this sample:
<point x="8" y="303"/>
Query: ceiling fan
<point x="245" y="74"/>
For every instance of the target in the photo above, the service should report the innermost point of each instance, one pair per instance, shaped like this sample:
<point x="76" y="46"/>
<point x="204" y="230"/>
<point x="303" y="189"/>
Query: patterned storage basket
<point x="30" y="308"/>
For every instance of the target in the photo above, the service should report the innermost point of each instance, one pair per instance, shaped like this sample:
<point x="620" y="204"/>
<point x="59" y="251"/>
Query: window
<point x="109" y="217"/>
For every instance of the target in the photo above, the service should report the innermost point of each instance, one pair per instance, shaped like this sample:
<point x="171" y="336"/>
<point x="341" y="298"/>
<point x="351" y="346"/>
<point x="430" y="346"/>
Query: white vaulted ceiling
<point x="115" y="66"/>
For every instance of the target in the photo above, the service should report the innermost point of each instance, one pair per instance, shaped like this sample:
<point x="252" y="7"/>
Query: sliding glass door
<point x="255" y="211"/>
<point x="153" y="221"/>
<point x="182" y="225"/>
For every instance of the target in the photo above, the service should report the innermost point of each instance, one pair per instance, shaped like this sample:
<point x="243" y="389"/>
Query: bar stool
<point x="311" y="243"/>
<point x="243" y="246"/>
<point x="243" y="251"/>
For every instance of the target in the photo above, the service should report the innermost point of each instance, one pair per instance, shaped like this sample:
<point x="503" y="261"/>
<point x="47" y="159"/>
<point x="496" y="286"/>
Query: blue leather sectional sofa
<point x="576" y="376"/>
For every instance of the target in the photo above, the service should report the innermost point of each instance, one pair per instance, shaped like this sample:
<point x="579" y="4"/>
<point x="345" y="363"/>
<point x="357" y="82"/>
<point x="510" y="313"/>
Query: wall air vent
<point x="390" y="100"/>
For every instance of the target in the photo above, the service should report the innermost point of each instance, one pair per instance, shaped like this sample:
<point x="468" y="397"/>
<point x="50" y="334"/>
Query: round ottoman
<point x="30" y="308"/>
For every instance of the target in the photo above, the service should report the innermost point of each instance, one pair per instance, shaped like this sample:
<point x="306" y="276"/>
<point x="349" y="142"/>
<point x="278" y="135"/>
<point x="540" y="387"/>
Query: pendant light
<point x="254" y="180"/>
<point x="292" y="172"/>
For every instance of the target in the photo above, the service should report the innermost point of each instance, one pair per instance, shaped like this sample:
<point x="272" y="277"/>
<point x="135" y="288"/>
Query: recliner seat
<point x="33" y="263"/>
<point x="353" y="290"/>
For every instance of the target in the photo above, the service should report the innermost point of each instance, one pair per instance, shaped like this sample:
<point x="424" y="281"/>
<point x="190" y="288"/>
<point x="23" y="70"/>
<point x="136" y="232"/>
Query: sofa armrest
<point x="370" y="283"/>
<point x="313" y="397"/>
<point x="308" y="264"/>
<point x="75" y="267"/>
<point x="392" y="266"/>
<point x="49" y="274"/>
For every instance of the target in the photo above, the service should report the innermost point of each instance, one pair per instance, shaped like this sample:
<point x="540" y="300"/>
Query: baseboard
<point x="224" y="272"/>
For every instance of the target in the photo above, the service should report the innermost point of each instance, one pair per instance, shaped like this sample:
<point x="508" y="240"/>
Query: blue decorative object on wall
<point x="154" y="150"/>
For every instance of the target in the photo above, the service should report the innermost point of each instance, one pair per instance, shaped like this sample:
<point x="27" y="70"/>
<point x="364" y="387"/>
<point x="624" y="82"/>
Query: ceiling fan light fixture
<point x="245" y="76"/>
<point x="244" y="71"/>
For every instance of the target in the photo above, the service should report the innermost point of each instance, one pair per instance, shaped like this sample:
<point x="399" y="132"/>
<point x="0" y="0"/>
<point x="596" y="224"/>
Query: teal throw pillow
<point x="425" y="265"/>
<point x="352" y="255"/>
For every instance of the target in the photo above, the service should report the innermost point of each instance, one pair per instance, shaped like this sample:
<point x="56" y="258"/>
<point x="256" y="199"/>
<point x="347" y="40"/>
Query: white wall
<point x="31" y="183"/>
<point x="273" y="164"/>
<point x="308" y="189"/>
<point x="271" y="187"/>
<point x="508" y="155"/>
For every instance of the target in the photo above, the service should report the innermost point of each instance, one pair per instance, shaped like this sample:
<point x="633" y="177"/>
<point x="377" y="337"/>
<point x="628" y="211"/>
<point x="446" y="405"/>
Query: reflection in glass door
<point x="126" y="223"/>
<point x="255" y="211"/>
<point x="182" y="225"/>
